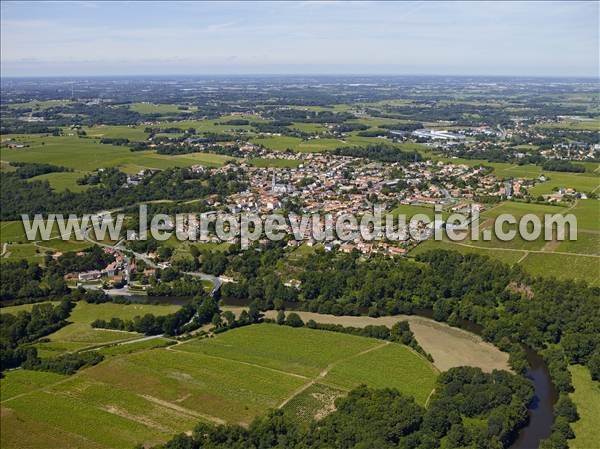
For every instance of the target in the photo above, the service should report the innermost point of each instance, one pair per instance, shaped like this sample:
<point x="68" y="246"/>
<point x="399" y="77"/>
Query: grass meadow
<point x="587" y="398"/>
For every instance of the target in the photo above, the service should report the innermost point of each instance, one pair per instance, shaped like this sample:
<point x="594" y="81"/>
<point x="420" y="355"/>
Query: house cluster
<point x="12" y="143"/>
<point x="113" y="270"/>
<point x="326" y="183"/>
<point x="573" y="151"/>
<point x="135" y="179"/>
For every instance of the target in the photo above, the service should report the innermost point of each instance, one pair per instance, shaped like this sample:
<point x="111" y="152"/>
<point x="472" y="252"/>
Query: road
<point x="216" y="281"/>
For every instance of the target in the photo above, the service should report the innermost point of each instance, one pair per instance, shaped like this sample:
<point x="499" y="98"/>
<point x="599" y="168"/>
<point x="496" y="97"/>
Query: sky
<point x="337" y="37"/>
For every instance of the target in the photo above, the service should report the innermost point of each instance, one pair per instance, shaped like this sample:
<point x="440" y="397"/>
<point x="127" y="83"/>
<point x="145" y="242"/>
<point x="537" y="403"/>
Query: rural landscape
<point x="143" y="339"/>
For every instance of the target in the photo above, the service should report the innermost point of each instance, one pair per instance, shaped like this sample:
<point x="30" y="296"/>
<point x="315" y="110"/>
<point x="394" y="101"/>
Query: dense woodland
<point x="25" y="327"/>
<point x="379" y="153"/>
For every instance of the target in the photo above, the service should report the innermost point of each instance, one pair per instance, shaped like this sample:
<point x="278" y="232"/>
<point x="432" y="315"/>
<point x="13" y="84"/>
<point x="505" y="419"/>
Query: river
<point x="541" y="410"/>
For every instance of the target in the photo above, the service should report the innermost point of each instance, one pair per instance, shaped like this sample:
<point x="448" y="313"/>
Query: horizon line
<point x="288" y="74"/>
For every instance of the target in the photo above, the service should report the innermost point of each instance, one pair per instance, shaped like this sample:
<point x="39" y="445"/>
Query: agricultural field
<point x="313" y="403"/>
<point x="508" y="256"/>
<point x="61" y="181"/>
<point x="568" y="259"/>
<point x="25" y="381"/>
<point x="39" y="105"/>
<point x="301" y="351"/>
<point x="388" y="365"/>
<point x="313" y="128"/>
<point x="412" y="210"/>
<point x="587" y="398"/>
<point x="449" y="347"/>
<point x="79" y="334"/>
<point x="582" y="182"/>
<point x="147" y="395"/>
<point x="21" y="307"/>
<point x="574" y="124"/>
<point x="133" y="133"/>
<point x="16" y="246"/>
<point x="219" y="125"/>
<point x="163" y="109"/>
<point x="588" y="215"/>
<point x="86" y="155"/>
<point x="283" y="143"/>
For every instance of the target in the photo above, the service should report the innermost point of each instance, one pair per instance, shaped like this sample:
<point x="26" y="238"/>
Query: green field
<point x="87" y="155"/>
<point x="21" y="307"/>
<point x="582" y="182"/>
<point x="312" y="128"/>
<point x="148" y="395"/>
<point x="24" y="381"/>
<point x="411" y="210"/>
<point x="588" y="214"/>
<point x="573" y="124"/>
<point x="392" y="365"/>
<point x="510" y="257"/>
<point x="38" y="105"/>
<point x="577" y="259"/>
<point x="564" y="267"/>
<point x="283" y="143"/>
<point x="135" y="346"/>
<point x="16" y="246"/>
<point x="314" y="402"/>
<point x="133" y="133"/>
<point x="166" y="109"/>
<point x="215" y="126"/>
<point x="63" y="180"/>
<point x="299" y="351"/>
<point x="587" y="398"/>
<point x="79" y="334"/>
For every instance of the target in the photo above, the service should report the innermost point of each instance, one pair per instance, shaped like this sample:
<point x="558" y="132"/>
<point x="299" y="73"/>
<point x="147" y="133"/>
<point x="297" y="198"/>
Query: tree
<point x="254" y="313"/>
<point x="216" y="320"/>
<point x="294" y="320"/>
<point x="565" y="407"/>
<point x="281" y="317"/>
<point x="229" y="317"/>
<point x="194" y="251"/>
<point x="594" y="365"/>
